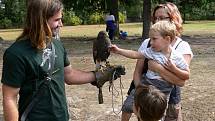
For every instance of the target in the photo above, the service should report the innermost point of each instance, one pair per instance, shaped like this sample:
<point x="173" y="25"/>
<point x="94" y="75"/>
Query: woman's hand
<point x="164" y="73"/>
<point x="169" y="65"/>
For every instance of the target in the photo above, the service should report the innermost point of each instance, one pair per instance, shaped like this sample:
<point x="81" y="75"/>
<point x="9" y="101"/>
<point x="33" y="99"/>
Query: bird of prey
<point x="100" y="49"/>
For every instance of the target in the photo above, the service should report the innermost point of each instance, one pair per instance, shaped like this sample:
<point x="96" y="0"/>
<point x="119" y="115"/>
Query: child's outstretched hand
<point x="114" y="49"/>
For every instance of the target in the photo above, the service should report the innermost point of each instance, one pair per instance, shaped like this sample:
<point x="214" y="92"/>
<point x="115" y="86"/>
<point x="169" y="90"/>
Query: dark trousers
<point x="111" y="33"/>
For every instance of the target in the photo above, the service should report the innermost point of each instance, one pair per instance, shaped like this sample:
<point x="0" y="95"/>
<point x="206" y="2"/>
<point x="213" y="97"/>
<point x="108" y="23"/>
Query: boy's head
<point x="161" y="34"/>
<point x="149" y="103"/>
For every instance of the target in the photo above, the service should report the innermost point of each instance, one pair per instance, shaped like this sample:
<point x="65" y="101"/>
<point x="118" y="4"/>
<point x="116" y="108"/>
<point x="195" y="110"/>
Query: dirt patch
<point x="198" y="95"/>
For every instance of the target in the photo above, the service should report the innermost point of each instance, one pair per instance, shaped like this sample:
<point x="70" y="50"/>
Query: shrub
<point x="71" y="19"/>
<point x="5" y="23"/>
<point x="96" y="18"/>
<point x="75" y="20"/>
<point x="122" y="18"/>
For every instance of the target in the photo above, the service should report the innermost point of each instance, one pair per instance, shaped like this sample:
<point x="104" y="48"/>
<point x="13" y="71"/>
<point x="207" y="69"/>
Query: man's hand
<point x="108" y="73"/>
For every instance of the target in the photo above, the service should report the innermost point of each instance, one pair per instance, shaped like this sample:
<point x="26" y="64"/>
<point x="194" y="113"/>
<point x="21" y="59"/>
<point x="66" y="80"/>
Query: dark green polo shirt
<point x="20" y="69"/>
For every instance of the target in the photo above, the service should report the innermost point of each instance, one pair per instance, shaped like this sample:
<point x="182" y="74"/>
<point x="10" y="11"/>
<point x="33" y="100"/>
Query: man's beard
<point x="56" y="33"/>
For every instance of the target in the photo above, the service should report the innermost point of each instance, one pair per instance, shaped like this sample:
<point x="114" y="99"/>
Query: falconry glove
<point x="108" y="73"/>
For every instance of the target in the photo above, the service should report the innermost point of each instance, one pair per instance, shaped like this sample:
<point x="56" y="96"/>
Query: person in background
<point x="169" y="12"/>
<point x="110" y="25"/>
<point x="149" y="103"/>
<point x="36" y="68"/>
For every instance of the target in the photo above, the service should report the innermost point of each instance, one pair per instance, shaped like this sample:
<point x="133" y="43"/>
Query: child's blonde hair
<point x="165" y="28"/>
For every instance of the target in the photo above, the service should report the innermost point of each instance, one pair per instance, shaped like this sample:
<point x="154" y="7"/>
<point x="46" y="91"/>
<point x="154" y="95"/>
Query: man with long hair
<point x="36" y="67"/>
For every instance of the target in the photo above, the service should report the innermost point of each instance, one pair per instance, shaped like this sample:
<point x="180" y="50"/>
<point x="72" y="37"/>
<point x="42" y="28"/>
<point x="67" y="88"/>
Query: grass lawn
<point x="206" y="28"/>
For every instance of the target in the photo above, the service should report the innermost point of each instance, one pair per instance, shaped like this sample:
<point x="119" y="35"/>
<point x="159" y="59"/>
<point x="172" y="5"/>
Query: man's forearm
<point x="10" y="110"/>
<point x="74" y="76"/>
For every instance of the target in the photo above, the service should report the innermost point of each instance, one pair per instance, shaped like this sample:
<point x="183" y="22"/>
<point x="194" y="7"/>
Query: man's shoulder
<point x="21" y="42"/>
<point x="19" y="47"/>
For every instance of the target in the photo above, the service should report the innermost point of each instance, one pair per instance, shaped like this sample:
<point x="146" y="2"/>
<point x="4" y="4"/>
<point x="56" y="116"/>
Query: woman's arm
<point x="183" y="74"/>
<point x="164" y="73"/>
<point x="138" y="72"/>
<point x="167" y="75"/>
<point x="187" y="58"/>
<point x="10" y="103"/>
<point x="137" y="76"/>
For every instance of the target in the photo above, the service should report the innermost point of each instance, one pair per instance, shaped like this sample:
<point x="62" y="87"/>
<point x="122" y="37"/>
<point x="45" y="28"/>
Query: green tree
<point x="15" y="11"/>
<point x="85" y="8"/>
<point x="2" y="9"/>
<point x="193" y="8"/>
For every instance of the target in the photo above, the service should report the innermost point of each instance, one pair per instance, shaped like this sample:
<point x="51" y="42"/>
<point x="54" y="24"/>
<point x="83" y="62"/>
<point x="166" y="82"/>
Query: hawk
<point x="100" y="49"/>
<point x="107" y="72"/>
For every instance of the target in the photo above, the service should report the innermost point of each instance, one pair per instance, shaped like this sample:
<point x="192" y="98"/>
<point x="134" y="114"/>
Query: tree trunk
<point x="184" y="11"/>
<point x="146" y="18"/>
<point x="115" y="9"/>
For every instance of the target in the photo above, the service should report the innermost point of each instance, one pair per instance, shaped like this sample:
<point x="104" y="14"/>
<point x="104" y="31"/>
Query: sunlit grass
<point x="134" y="29"/>
<point x="206" y="28"/>
<point x="10" y="34"/>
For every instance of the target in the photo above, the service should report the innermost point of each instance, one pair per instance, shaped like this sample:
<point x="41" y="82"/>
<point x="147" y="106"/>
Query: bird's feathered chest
<point x="100" y="48"/>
